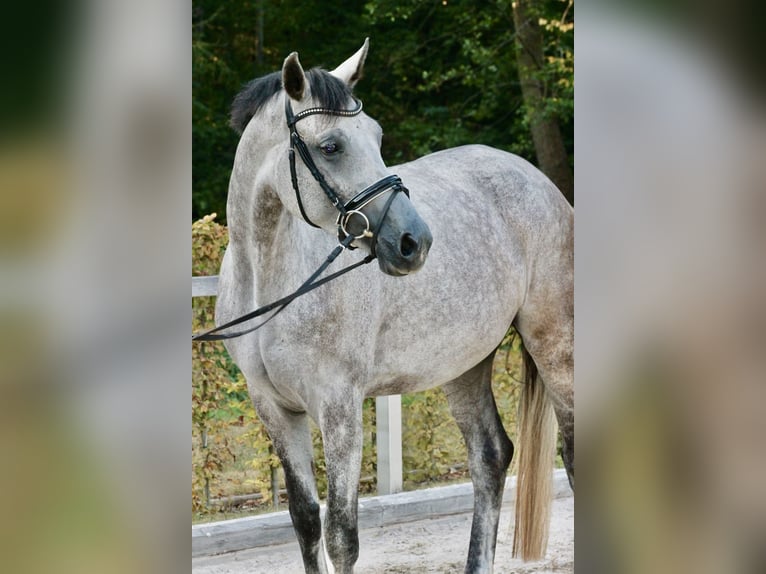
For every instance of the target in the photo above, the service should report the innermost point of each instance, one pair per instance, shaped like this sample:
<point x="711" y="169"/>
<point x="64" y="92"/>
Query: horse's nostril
<point x="408" y="245"/>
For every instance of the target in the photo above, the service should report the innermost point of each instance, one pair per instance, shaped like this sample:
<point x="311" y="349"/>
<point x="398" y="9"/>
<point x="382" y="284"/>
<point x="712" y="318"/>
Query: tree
<point x="543" y="124"/>
<point x="439" y="74"/>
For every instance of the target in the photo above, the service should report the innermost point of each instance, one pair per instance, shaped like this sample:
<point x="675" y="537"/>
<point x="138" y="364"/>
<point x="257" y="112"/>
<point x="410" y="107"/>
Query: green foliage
<point x="439" y="73"/>
<point x="556" y="72"/>
<point x="431" y="442"/>
<point x="211" y="381"/>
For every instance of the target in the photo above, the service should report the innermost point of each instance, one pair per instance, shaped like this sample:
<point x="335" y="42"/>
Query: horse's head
<point x="329" y="171"/>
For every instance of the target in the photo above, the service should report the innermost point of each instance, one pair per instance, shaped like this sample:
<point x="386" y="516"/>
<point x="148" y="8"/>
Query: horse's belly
<point x="415" y="345"/>
<point x="424" y="345"/>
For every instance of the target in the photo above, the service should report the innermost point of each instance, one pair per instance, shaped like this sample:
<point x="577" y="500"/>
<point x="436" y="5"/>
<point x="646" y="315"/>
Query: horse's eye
<point x="329" y="148"/>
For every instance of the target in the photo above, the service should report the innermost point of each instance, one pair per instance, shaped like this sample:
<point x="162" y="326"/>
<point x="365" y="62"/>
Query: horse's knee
<point x="306" y="520"/>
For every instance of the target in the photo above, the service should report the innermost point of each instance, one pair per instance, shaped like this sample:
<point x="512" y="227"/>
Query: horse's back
<point x="481" y="185"/>
<point x="481" y="173"/>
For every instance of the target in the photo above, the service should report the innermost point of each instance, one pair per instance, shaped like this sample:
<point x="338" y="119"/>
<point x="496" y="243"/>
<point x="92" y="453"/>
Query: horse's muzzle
<point x="404" y="252"/>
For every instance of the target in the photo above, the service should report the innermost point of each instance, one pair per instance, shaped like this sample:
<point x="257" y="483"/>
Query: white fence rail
<point x="388" y="415"/>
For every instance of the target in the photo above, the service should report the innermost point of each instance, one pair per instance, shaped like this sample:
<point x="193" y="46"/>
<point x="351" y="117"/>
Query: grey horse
<point x="484" y="241"/>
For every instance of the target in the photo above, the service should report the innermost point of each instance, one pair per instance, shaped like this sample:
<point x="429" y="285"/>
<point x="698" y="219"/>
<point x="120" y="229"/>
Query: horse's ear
<point x="293" y="77"/>
<point x="351" y="70"/>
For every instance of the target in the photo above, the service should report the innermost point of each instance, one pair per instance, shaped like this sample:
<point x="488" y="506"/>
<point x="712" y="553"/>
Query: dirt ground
<point x="437" y="546"/>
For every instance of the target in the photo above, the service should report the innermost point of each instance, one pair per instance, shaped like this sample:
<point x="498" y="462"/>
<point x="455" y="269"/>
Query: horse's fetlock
<point x="342" y="540"/>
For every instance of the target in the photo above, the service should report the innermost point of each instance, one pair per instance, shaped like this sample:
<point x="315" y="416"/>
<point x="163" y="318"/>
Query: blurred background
<point x="95" y="179"/>
<point x="96" y="184"/>
<point x="669" y="288"/>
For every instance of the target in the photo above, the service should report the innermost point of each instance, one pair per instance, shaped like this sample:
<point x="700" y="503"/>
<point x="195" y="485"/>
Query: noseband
<point x="353" y="207"/>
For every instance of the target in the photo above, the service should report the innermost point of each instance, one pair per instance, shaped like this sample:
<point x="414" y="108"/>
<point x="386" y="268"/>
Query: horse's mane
<point x="328" y="91"/>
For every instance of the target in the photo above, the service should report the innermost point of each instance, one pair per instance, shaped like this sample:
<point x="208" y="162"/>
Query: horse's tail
<point x="536" y="441"/>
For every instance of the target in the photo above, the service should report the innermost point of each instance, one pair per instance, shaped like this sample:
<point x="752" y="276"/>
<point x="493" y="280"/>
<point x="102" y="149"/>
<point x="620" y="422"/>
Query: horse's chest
<point x="314" y="335"/>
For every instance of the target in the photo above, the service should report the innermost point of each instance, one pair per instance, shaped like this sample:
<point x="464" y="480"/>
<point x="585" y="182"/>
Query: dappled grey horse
<point x="468" y="242"/>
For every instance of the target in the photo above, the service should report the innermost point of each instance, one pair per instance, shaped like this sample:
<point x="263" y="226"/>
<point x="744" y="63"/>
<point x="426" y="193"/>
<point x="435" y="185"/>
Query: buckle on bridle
<point x="345" y="218"/>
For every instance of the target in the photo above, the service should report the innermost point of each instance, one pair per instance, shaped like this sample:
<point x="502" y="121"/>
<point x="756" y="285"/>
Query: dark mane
<point x="327" y="90"/>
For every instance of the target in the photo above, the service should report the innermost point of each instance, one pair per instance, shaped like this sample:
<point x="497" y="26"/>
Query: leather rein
<point x="346" y="211"/>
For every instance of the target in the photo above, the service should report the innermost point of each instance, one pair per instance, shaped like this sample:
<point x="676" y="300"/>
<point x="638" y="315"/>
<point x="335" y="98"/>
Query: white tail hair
<point x="536" y="446"/>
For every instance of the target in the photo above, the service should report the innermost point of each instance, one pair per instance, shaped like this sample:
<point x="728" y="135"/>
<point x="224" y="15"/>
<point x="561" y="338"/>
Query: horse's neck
<point x="262" y="235"/>
<point x="254" y="221"/>
<point x="252" y="208"/>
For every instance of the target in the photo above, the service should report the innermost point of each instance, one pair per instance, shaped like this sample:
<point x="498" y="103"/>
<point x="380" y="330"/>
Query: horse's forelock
<point x="327" y="90"/>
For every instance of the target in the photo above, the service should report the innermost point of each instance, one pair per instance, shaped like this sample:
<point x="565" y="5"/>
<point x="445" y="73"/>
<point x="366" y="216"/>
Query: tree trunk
<point x="259" y="35"/>
<point x="546" y="135"/>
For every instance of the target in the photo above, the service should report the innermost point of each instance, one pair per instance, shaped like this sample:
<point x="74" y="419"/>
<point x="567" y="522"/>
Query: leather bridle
<point x="353" y="207"/>
<point x="347" y="210"/>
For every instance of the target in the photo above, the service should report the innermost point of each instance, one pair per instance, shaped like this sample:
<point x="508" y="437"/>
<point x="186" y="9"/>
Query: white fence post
<point x="388" y="412"/>
<point x="388" y="419"/>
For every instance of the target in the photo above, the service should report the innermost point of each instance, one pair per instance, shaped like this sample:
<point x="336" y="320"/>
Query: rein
<point x="309" y="285"/>
<point x="346" y="211"/>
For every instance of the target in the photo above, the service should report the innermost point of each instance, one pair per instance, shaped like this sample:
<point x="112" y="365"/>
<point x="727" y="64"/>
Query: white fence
<point x="388" y="416"/>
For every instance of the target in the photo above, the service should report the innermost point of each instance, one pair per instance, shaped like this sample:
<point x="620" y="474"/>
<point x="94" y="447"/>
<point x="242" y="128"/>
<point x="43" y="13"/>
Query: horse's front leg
<point x="489" y="454"/>
<point x="340" y="420"/>
<point x="291" y="436"/>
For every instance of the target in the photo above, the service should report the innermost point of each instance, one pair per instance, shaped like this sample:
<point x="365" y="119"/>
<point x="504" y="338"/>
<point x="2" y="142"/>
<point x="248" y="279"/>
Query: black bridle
<point x="347" y="210"/>
<point x="353" y="207"/>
